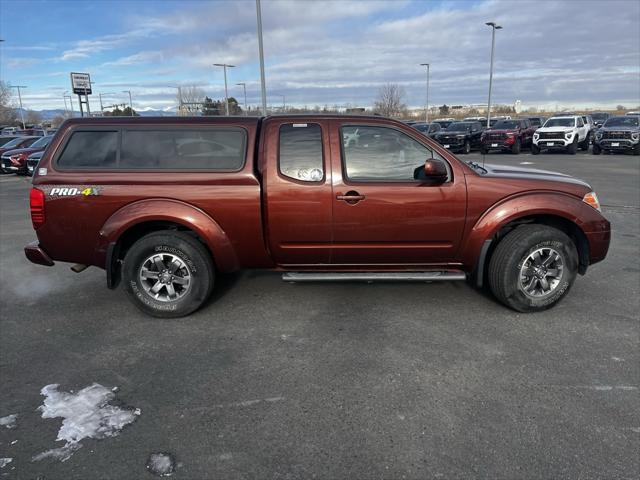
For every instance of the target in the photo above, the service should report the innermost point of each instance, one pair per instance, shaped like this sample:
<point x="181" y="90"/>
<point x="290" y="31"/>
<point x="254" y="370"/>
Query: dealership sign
<point x="81" y="83"/>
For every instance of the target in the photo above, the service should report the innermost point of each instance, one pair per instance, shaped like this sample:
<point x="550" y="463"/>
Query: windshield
<point x="16" y="142"/>
<point x="505" y="124"/>
<point x="458" y="127"/>
<point x="622" y="122"/>
<point x="599" y="116"/>
<point x="423" y="127"/>
<point x="560" y="122"/>
<point x="43" y="142"/>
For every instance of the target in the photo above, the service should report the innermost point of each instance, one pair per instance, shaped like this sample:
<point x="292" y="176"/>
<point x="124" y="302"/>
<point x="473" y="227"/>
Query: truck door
<point x="381" y="215"/>
<point x="297" y="191"/>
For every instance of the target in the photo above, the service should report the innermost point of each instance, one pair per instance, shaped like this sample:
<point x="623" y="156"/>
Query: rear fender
<point x="543" y="203"/>
<point x="174" y="211"/>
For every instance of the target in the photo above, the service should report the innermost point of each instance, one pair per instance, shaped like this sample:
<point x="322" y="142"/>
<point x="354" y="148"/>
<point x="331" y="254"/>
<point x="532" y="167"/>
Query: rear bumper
<point x="37" y="255"/>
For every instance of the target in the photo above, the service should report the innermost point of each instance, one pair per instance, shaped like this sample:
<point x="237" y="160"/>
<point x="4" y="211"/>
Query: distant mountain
<point x="149" y="112"/>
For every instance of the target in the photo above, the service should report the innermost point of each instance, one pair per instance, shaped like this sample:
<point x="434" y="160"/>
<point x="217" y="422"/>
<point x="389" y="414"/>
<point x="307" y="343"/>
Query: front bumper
<point x="37" y="255"/>
<point x="553" y="142"/>
<point x="452" y="143"/>
<point x="616" y="144"/>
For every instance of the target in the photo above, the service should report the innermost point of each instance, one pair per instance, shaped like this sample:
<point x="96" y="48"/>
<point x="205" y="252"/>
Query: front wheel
<point x="535" y="149"/>
<point x="573" y="148"/>
<point x="467" y="147"/>
<point x="636" y="149"/>
<point x="516" y="147"/>
<point x="533" y="268"/>
<point x="596" y="149"/>
<point x="168" y="274"/>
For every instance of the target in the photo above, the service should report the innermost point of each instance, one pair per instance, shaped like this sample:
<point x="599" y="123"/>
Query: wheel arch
<point x="137" y="219"/>
<point x="495" y="224"/>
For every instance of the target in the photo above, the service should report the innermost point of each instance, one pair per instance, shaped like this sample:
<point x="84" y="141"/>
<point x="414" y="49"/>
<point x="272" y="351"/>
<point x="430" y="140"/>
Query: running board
<point x="373" y="276"/>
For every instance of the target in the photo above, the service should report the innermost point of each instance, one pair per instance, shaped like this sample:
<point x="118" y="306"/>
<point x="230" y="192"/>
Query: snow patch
<point x="85" y="414"/>
<point x="9" y="421"/>
<point x="5" y="461"/>
<point x="161" y="464"/>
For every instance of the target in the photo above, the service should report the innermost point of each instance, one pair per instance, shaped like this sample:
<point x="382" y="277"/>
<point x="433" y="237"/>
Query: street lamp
<point x="70" y="102"/>
<point x="426" y="113"/>
<point x="130" y="102"/>
<point x="100" y="97"/>
<point x="261" y="51"/>
<point x="226" y="94"/>
<point x="20" y="100"/>
<point x="494" y="26"/>
<point x="244" y="87"/>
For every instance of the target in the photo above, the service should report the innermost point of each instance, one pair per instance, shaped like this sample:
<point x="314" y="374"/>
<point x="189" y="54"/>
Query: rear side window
<point x="96" y="149"/>
<point x="182" y="149"/>
<point x="301" y="152"/>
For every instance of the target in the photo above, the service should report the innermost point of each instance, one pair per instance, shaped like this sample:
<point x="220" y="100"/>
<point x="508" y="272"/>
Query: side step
<point x="373" y="276"/>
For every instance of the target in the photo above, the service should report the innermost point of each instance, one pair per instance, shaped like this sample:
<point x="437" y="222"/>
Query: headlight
<point x="591" y="199"/>
<point x="635" y="136"/>
<point x="536" y="135"/>
<point x="598" y="135"/>
<point x="568" y="134"/>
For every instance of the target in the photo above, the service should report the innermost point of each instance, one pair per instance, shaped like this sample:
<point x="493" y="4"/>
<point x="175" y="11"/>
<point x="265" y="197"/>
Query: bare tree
<point x="57" y="121"/>
<point x="389" y="100"/>
<point x="190" y="100"/>
<point x="8" y="113"/>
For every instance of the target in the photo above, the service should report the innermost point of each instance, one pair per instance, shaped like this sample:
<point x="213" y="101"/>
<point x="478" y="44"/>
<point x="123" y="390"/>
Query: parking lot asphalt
<point x="273" y="380"/>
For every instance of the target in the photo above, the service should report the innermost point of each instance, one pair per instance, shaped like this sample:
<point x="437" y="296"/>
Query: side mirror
<point x="433" y="171"/>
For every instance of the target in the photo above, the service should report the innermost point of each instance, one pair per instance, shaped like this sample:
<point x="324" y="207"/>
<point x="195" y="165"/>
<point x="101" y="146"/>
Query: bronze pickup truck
<point x="165" y="203"/>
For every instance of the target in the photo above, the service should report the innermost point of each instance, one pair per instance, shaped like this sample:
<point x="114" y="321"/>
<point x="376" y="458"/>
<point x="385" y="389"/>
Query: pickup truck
<point x="566" y="132"/>
<point x="164" y="204"/>
<point x="508" y="135"/>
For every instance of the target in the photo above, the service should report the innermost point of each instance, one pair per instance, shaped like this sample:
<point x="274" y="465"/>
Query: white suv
<point x="566" y="132"/>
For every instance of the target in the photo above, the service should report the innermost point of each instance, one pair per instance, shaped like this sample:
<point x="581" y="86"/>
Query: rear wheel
<point x="535" y="149"/>
<point x="533" y="267"/>
<point x="168" y="274"/>
<point x="516" y="147"/>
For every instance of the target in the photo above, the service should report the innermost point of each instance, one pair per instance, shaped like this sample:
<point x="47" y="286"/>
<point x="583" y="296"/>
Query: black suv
<point x="618" y="134"/>
<point x="429" y="129"/>
<point x="461" y="136"/>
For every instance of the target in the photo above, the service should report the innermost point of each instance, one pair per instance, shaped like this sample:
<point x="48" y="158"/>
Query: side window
<point x="97" y="149"/>
<point x="218" y="149"/>
<point x="580" y="122"/>
<point x="301" y="152"/>
<point x="381" y="154"/>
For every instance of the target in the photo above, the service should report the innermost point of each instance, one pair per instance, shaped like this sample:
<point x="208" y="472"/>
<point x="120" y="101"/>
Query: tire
<point x="516" y="147"/>
<point x="596" y="149"/>
<point x="573" y="148"/>
<point x="535" y="149"/>
<point x="467" y="147"/>
<point x="636" y="149"/>
<point x="508" y="282"/>
<point x="185" y="258"/>
<point x="584" y="146"/>
<point x="483" y="151"/>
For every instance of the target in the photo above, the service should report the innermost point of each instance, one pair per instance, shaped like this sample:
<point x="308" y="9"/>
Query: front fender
<point x="556" y="204"/>
<point x="174" y="211"/>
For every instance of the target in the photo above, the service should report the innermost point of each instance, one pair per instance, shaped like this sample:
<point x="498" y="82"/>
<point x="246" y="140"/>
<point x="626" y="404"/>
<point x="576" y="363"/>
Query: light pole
<point x="20" y="100"/>
<point x="244" y="87"/>
<point x="130" y="102"/>
<point x="494" y="26"/>
<point x="426" y="112"/>
<point x="64" y="99"/>
<point x="262" y="81"/>
<point x="226" y="94"/>
<point x="101" y="104"/>
<point x="70" y="102"/>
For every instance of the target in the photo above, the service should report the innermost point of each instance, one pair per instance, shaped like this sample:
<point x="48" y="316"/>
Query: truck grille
<point x="550" y="135"/>
<point x="614" y="135"/>
<point x="496" y="136"/>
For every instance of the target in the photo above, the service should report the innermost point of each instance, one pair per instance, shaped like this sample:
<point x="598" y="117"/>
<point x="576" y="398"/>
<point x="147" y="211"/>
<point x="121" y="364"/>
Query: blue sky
<point x="570" y="53"/>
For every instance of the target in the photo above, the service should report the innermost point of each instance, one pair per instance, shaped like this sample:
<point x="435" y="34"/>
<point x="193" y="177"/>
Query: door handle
<point x="351" y="197"/>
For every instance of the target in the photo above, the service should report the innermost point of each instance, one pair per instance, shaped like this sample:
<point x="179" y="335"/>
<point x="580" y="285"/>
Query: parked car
<point x="6" y="138"/>
<point x="32" y="162"/>
<point x="15" y="161"/>
<point x="7" y="131"/>
<point x="599" y="118"/>
<point x="537" y="122"/>
<point x="618" y="134"/>
<point x="633" y="113"/>
<point x="429" y="129"/>
<point x="281" y="197"/>
<point x="460" y="136"/>
<point x="561" y="133"/>
<point x="18" y="142"/>
<point x="507" y="135"/>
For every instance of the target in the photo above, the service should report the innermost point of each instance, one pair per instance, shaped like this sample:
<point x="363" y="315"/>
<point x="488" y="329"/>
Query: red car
<point x="15" y="161"/>
<point x="508" y="135"/>
<point x="165" y="203"/>
<point x="18" y="142"/>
